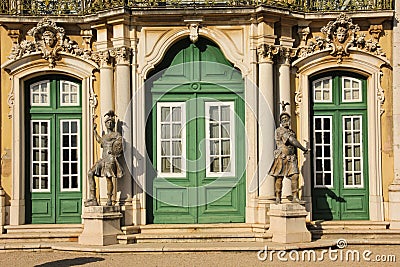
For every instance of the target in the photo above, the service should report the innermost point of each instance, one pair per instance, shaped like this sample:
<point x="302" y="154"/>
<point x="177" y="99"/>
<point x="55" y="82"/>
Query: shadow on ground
<point x="70" y="262"/>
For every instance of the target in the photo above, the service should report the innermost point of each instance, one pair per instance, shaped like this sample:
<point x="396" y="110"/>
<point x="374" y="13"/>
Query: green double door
<point x="196" y="140"/>
<point x="53" y="150"/>
<point x="340" y="164"/>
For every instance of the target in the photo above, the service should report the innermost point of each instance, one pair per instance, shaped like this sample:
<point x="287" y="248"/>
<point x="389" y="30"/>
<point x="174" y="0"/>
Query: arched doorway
<point x="53" y="144"/>
<point x="195" y="137"/>
<point x="340" y="146"/>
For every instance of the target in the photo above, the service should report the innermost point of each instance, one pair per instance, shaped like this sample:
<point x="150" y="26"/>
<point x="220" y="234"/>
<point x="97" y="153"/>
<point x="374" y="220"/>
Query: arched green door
<point x="340" y="145"/>
<point x="197" y="145"/>
<point x="53" y="150"/>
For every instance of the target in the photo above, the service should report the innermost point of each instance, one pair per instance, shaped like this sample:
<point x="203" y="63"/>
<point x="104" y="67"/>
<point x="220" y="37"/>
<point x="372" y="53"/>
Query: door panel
<point x="201" y="192"/>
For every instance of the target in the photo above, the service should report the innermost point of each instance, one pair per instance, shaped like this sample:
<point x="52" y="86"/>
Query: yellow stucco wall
<point x="6" y="125"/>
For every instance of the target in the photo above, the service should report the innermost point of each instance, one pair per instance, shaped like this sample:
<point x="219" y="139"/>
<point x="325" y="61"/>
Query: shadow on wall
<point x="71" y="262"/>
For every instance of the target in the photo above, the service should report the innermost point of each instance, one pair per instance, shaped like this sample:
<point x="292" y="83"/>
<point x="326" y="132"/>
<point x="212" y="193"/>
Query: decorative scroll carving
<point x="10" y="101"/>
<point x="50" y="40"/>
<point x="380" y="94"/>
<point x="298" y="99"/>
<point x="341" y="35"/>
<point x="121" y="54"/>
<point x="92" y="98"/>
<point x="267" y="51"/>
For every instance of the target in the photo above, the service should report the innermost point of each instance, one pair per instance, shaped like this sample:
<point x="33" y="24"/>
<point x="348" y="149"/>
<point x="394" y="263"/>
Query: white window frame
<point x="78" y="155"/>
<point x="182" y="105"/>
<point x="361" y="152"/>
<point x="47" y="82"/>
<point x="360" y="90"/>
<point x="77" y="96"/>
<point x="322" y="117"/>
<point x="330" y="100"/>
<point x="232" y="117"/>
<point x="48" y="162"/>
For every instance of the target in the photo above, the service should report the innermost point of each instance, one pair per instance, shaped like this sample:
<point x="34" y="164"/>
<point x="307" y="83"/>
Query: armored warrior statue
<point x="285" y="159"/>
<point x="107" y="166"/>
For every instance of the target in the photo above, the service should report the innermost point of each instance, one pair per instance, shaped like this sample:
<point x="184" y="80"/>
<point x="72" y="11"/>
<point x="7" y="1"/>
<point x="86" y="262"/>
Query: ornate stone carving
<point x="194" y="31"/>
<point x="303" y="33"/>
<point x="49" y="40"/>
<point x="121" y="54"/>
<point x="267" y="51"/>
<point x="380" y="94"/>
<point x="286" y="54"/>
<point x="103" y="58"/>
<point x="341" y="35"/>
<point x="298" y="99"/>
<point x="10" y="102"/>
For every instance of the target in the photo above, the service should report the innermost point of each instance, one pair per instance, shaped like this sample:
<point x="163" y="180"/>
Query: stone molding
<point x="339" y="36"/>
<point x="49" y="40"/>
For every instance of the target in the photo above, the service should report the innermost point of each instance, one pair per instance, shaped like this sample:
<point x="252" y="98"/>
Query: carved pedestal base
<point x="288" y="223"/>
<point x="101" y="225"/>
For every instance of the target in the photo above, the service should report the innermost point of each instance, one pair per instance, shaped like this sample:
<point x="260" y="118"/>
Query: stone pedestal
<point x="288" y="223"/>
<point x="394" y="206"/>
<point x="101" y="225"/>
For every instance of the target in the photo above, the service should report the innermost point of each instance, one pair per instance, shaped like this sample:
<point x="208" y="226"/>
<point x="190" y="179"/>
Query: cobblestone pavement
<point x="378" y="255"/>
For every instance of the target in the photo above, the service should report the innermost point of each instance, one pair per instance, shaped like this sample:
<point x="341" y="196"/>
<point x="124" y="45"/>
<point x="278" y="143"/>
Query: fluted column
<point x="266" y="118"/>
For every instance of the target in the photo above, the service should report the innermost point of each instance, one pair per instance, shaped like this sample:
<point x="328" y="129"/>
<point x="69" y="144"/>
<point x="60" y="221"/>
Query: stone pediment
<point x="340" y="37"/>
<point x="49" y="40"/>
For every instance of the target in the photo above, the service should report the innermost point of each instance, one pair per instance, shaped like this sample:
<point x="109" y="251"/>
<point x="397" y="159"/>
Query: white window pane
<point x="226" y="166"/>
<point x="225" y="113"/>
<point x="176" y="148"/>
<point x="165" y="131"/>
<point x="356" y="124"/>
<point x="356" y="84"/>
<point x="214" y="115"/>
<point x="318" y="95"/>
<point x="347" y="83"/>
<point x="176" y="131"/>
<point x="35" y="98"/>
<point x="74" y="99"/>
<point x="165" y="148"/>
<point x="176" y="114"/>
<point x="225" y="130"/>
<point x="356" y="94"/>
<point x="225" y="147"/>
<point x="347" y="94"/>
<point x="215" y="165"/>
<point x="214" y="130"/>
<point x="176" y="165"/>
<point x="326" y="95"/>
<point x="165" y="165"/>
<point x="74" y="89"/>
<point x="165" y="111"/>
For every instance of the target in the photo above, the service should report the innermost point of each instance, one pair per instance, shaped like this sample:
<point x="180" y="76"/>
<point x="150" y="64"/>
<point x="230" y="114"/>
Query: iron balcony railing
<point x="82" y="7"/>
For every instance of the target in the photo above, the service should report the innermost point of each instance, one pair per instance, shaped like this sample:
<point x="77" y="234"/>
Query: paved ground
<point x="64" y="259"/>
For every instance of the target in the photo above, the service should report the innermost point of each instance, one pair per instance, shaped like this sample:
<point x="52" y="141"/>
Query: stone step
<point x="132" y="229"/>
<point x="355" y="233"/>
<point x="193" y="237"/>
<point x="39" y="237"/>
<point x="353" y="225"/>
<point x="44" y="228"/>
<point x="197" y="228"/>
<point x="41" y="233"/>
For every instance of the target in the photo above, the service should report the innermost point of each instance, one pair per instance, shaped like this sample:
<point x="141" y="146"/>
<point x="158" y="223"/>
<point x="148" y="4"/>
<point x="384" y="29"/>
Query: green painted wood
<point x="54" y="206"/>
<point x="340" y="203"/>
<point x="194" y="74"/>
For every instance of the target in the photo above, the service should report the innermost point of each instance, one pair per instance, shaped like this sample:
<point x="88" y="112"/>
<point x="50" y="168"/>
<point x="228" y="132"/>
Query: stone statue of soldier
<point x="107" y="166"/>
<point x="285" y="158"/>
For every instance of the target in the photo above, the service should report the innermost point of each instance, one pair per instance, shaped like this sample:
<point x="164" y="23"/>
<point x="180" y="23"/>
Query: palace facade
<point x="197" y="87"/>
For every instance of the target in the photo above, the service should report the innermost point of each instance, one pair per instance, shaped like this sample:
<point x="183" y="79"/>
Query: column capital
<point x="103" y="58"/>
<point x="286" y="54"/>
<point x="266" y="52"/>
<point x="121" y="54"/>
